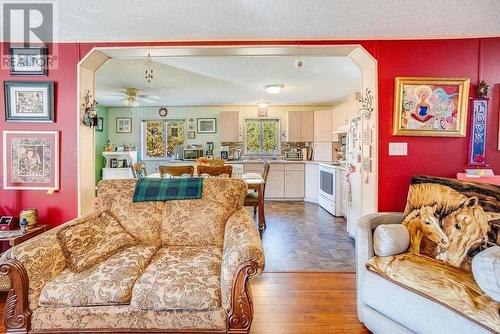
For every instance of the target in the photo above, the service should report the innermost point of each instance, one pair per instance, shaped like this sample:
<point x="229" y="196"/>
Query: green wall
<point x="100" y="140"/>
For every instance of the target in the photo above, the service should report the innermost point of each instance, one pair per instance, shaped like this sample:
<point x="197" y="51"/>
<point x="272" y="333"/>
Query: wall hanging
<point x="28" y="61"/>
<point x="478" y="132"/>
<point x="123" y="124"/>
<point x="29" y="101"/>
<point x="31" y="160"/>
<point x="89" y="116"/>
<point x="206" y="125"/>
<point x="430" y="106"/>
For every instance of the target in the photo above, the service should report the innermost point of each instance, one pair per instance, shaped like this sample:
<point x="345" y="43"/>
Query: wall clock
<point x="163" y="112"/>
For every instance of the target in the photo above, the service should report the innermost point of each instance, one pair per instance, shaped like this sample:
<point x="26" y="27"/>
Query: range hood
<point x="341" y="129"/>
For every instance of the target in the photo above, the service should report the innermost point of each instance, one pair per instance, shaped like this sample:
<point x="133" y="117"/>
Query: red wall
<point x="473" y="58"/>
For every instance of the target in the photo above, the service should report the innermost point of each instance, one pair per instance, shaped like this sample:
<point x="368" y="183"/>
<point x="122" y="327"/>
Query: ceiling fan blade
<point x="147" y="96"/>
<point x="146" y="100"/>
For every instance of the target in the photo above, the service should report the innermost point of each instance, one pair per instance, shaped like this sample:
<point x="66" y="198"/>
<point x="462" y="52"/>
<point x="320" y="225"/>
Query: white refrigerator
<point x="353" y="175"/>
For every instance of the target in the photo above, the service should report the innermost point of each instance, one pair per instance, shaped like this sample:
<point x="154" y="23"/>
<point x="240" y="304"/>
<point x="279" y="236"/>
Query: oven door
<point x="327" y="182"/>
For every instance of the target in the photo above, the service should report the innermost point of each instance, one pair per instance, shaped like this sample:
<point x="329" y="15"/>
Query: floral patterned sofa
<point x="175" y="266"/>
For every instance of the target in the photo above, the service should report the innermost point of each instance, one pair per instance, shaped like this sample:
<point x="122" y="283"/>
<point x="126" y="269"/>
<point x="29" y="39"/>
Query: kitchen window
<point x="159" y="137"/>
<point x="262" y="136"/>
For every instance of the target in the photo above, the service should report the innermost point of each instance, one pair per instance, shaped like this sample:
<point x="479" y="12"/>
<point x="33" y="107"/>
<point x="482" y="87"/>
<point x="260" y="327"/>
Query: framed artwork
<point x="29" y="101"/>
<point x="100" y="124"/>
<point x="28" y="61"/>
<point x="123" y="124"/>
<point x="430" y="106"/>
<point x="191" y="134"/>
<point x="31" y="160"/>
<point x="478" y="137"/>
<point x="206" y="125"/>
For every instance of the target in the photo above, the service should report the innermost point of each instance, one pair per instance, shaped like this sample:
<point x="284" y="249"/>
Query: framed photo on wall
<point x="206" y="125"/>
<point x="191" y="135"/>
<point x="431" y="106"/>
<point x="100" y="124"/>
<point x="31" y="160"/>
<point x="29" y="101"/>
<point x="123" y="124"/>
<point x="28" y="61"/>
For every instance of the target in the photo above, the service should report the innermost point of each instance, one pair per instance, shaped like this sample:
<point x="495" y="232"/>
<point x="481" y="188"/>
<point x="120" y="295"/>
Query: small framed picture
<point x="31" y="160"/>
<point x="29" y="101"/>
<point x="206" y="125"/>
<point x="123" y="124"/>
<point x="191" y="134"/>
<point x="100" y="124"/>
<point x="28" y="61"/>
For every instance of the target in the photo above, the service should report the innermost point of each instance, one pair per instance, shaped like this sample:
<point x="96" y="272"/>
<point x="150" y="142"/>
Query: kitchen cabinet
<point x="323" y="123"/>
<point x="294" y="180"/>
<point x="343" y="191"/>
<point x="229" y="124"/>
<point x="300" y="126"/>
<point x="311" y="183"/>
<point x="344" y="111"/>
<point x="275" y="187"/>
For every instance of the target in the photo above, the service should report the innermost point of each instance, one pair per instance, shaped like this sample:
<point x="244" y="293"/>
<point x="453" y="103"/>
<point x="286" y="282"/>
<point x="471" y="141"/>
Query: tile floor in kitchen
<point x="301" y="236"/>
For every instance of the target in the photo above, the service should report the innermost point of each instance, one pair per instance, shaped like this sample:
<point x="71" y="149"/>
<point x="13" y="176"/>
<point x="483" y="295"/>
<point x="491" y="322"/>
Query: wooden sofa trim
<point x="17" y="312"/>
<point x="241" y="314"/>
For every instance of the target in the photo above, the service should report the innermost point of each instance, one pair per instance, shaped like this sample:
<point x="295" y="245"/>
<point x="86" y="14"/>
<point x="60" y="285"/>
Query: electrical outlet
<point x="398" y="149"/>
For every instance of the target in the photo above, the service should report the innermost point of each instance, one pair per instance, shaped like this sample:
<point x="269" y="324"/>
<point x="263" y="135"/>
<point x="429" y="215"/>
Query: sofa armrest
<point x="364" y="244"/>
<point x="243" y="258"/>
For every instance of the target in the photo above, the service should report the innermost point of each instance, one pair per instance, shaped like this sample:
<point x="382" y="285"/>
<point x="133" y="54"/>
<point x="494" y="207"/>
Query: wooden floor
<point x="305" y="303"/>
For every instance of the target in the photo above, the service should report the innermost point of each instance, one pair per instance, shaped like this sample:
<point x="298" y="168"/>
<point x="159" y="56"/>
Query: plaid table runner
<point x="152" y="189"/>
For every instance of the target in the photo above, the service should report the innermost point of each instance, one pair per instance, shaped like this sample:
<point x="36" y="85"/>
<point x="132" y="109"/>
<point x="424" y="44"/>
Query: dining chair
<point x="210" y="162"/>
<point x="176" y="170"/>
<point x="252" y="198"/>
<point x="222" y="171"/>
<point x="138" y="169"/>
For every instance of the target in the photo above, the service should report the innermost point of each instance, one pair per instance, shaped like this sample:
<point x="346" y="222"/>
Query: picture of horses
<point x="451" y="220"/>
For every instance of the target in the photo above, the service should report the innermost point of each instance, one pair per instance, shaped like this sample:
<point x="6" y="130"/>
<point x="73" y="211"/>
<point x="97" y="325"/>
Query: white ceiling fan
<point x="131" y="97"/>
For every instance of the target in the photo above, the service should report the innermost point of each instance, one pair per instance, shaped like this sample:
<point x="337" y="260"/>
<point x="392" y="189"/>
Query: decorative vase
<point x="31" y="216"/>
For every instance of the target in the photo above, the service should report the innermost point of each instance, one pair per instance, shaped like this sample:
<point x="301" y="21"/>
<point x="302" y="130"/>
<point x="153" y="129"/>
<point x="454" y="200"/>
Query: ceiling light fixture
<point x="149" y="68"/>
<point x="274" y="88"/>
<point x="263" y="104"/>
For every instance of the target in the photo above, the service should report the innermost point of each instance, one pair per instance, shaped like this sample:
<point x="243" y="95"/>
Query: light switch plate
<point x="398" y="149"/>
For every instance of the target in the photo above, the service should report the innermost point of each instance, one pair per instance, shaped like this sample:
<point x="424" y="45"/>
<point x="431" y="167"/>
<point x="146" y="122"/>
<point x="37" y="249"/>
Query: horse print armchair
<point x="174" y="266"/>
<point x="429" y="285"/>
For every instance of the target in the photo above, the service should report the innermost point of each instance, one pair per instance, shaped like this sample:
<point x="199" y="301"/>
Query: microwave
<point x="192" y="153"/>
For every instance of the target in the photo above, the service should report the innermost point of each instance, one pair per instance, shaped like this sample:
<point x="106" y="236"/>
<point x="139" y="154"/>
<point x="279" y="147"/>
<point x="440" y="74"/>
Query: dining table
<point x="254" y="181"/>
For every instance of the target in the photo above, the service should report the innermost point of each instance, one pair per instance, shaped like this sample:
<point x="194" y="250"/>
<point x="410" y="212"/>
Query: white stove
<point x="329" y="189"/>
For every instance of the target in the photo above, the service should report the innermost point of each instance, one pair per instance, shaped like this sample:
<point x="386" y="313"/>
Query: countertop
<point x="256" y="161"/>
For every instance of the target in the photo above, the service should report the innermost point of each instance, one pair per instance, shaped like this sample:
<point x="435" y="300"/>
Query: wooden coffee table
<point x="32" y="232"/>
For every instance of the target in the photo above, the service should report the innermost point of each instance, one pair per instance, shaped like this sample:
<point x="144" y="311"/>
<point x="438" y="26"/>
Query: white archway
<point x="96" y="57"/>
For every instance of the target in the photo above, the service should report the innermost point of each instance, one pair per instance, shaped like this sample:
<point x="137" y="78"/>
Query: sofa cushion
<point x="108" y="283"/>
<point x="451" y="220"/>
<point x="142" y="219"/>
<point x="201" y="222"/>
<point x="389" y="308"/>
<point x="390" y="239"/>
<point x="440" y="282"/>
<point x="125" y="318"/>
<point x="486" y="271"/>
<point x="180" y="278"/>
<point x="92" y="239"/>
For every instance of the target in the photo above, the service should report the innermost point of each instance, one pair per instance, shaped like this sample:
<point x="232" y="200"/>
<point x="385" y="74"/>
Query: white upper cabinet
<point x="323" y="125"/>
<point x="229" y="123"/>
<point x="300" y="126"/>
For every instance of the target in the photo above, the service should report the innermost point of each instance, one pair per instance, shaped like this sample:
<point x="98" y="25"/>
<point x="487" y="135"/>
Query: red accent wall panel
<point x="472" y="58"/>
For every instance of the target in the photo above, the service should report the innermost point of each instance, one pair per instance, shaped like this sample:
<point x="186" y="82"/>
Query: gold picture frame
<point x="433" y="107"/>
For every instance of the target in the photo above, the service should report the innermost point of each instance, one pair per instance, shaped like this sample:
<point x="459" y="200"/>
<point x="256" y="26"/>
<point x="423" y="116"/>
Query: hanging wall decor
<point x="430" y="106"/>
<point x="31" y="160"/>
<point x="29" y="101"/>
<point x="478" y="132"/>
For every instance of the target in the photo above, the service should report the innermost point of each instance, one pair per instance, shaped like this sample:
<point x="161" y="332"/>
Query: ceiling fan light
<point x="263" y="104"/>
<point x="274" y="88"/>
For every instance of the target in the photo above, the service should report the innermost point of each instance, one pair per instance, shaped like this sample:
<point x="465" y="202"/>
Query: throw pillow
<point x="451" y="220"/>
<point x="486" y="271"/>
<point x="390" y="239"/>
<point x="92" y="239"/>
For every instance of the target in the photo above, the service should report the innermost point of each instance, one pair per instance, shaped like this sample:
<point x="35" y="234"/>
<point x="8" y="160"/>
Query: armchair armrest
<point x="364" y="245"/>
<point x="243" y="259"/>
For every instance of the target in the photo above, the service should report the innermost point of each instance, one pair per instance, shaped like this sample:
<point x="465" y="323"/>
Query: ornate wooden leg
<point x="262" y="217"/>
<point x="241" y="314"/>
<point x="17" y="312"/>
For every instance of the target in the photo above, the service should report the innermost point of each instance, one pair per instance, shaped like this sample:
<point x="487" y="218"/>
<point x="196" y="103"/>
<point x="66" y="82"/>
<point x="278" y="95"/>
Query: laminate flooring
<point x="303" y="237"/>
